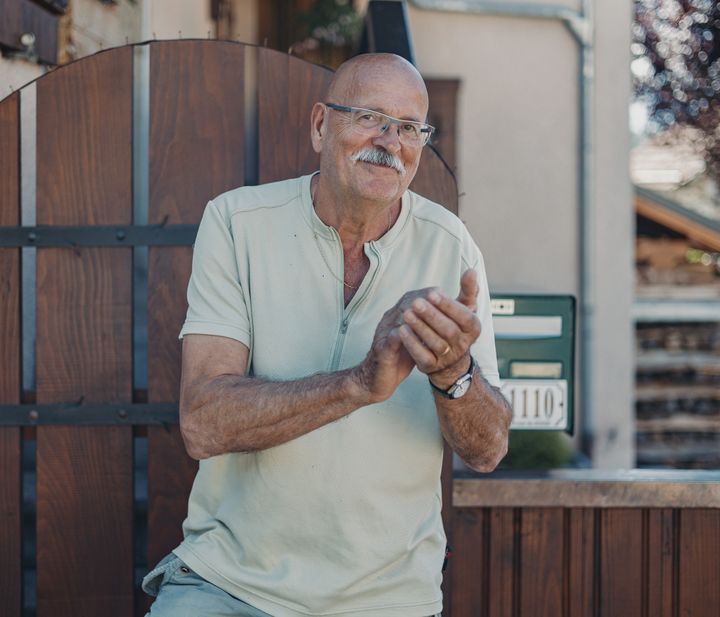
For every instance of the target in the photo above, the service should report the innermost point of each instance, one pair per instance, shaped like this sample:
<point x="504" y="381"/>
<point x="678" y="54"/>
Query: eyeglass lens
<point x="409" y="133"/>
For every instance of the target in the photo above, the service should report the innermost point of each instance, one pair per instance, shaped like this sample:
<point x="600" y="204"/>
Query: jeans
<point x="182" y="593"/>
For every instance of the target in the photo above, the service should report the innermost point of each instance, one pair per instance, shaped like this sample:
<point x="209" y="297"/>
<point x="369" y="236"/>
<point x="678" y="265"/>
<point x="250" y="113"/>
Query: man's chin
<point x="387" y="190"/>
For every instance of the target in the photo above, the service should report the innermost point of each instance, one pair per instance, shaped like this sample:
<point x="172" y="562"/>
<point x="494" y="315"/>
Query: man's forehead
<point x="385" y="84"/>
<point x="375" y="71"/>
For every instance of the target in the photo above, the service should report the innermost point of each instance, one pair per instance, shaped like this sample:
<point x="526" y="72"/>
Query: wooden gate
<point x="116" y="161"/>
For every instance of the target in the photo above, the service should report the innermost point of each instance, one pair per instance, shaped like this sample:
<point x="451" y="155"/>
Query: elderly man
<point x="338" y="328"/>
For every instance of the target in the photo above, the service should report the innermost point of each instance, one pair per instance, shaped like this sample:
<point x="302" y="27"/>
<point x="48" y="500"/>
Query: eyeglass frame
<point x="425" y="128"/>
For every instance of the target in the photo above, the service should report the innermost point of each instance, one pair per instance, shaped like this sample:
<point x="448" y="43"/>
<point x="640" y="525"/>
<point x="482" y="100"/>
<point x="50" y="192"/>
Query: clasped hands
<point x="426" y="329"/>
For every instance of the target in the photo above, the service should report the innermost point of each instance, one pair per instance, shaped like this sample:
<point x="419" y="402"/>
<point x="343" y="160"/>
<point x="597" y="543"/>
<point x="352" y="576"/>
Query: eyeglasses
<point x="373" y="124"/>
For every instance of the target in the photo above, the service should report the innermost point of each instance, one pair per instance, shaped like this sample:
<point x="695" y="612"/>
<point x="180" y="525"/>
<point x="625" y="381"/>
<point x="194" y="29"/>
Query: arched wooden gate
<point x="105" y="161"/>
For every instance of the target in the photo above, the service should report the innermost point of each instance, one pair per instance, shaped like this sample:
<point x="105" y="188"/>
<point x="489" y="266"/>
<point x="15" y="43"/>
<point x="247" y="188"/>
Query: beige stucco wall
<point x="171" y="19"/>
<point x="245" y="20"/>
<point x="517" y="140"/>
<point x="15" y="73"/>
<point x="518" y="164"/>
<point x="95" y="26"/>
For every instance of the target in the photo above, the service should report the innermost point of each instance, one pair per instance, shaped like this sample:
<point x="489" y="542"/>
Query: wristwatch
<point x="460" y="387"/>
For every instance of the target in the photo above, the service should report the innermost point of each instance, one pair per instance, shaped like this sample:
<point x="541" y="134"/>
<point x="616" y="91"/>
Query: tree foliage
<point x="676" y="70"/>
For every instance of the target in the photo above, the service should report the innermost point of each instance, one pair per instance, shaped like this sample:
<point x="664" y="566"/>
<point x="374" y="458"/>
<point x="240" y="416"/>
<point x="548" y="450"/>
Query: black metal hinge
<point x="90" y="414"/>
<point x="98" y="235"/>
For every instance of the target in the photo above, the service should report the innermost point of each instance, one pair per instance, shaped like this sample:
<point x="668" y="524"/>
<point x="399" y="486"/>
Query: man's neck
<point x="356" y="221"/>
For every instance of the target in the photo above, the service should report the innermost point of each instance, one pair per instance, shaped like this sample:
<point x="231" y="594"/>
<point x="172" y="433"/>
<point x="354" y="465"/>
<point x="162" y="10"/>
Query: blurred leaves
<point x="676" y="71"/>
<point x="328" y="23"/>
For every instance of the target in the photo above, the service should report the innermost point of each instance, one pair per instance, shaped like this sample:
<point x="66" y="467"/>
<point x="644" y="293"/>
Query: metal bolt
<point x="120" y="234"/>
<point x="27" y="39"/>
<point x="32" y="236"/>
<point x="33" y="415"/>
<point x="122" y="413"/>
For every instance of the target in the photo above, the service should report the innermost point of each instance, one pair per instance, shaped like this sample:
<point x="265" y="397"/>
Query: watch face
<point x="461" y="389"/>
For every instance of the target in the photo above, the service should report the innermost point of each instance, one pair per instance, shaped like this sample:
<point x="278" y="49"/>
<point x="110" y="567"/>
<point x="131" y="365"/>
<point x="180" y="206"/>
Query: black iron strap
<point x="89" y="414"/>
<point x="98" y="235"/>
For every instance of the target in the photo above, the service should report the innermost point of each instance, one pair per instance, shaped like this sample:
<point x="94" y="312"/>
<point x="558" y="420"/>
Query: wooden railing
<point x="586" y="544"/>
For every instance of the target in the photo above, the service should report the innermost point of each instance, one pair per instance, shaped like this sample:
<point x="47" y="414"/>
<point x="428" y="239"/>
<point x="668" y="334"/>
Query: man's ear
<point x="317" y="126"/>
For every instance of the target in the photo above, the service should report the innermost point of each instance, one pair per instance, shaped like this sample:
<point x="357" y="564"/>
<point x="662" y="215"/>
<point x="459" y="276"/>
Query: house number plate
<point x="537" y="403"/>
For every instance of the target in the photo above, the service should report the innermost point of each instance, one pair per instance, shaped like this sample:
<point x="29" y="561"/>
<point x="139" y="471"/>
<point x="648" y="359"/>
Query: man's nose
<point x="390" y="139"/>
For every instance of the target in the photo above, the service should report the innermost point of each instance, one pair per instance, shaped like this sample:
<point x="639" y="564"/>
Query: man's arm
<point x="476" y="425"/>
<point x="222" y="410"/>
<point x="438" y="334"/>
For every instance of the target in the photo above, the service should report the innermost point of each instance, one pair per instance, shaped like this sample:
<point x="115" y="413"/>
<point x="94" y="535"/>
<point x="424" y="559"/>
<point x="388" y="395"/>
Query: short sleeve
<point x="216" y="302"/>
<point x="483" y="350"/>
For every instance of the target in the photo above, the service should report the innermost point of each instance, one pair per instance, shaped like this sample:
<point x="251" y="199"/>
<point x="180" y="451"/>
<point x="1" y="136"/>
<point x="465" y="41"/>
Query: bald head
<point x="361" y="72"/>
<point x="360" y="164"/>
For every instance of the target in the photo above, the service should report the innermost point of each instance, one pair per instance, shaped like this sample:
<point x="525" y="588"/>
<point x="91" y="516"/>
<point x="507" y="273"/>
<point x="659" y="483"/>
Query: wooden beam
<point x="654" y="211"/>
<point x="591" y="489"/>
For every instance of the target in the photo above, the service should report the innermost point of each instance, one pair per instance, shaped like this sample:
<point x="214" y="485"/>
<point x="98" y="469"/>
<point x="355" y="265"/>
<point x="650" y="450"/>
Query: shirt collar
<point x="326" y="231"/>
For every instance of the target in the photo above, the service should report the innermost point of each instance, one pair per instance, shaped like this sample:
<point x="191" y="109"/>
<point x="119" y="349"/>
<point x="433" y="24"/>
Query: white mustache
<point x="379" y="157"/>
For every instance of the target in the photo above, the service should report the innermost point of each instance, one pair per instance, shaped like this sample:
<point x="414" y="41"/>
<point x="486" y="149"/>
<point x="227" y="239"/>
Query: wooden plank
<point x="677" y="222"/>
<point x="196" y="152"/>
<point x="269" y="24"/>
<point x="699" y="563"/>
<point x="683" y="360"/>
<point x="674" y="295"/>
<point x="10" y="361"/>
<point x="662" y="392"/>
<point x="170" y="470"/>
<point x="446" y="478"/>
<point x="84" y="337"/>
<point x="579" y="588"/>
<point x="196" y="126"/>
<point x="680" y="423"/>
<point x="502" y="583"/>
<point x="287" y="89"/>
<point x="621" y="562"/>
<point x="468" y="592"/>
<point x="541" y="562"/>
<point x="661" y="562"/>
<point x="586" y="489"/>
<point x="442" y="114"/>
<point x="435" y="181"/>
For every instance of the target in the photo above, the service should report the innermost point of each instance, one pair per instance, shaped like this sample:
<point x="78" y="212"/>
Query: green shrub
<point x="537" y="450"/>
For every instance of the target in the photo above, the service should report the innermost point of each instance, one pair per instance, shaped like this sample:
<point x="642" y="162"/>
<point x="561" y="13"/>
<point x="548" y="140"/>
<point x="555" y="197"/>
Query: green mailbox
<point x="535" y="341"/>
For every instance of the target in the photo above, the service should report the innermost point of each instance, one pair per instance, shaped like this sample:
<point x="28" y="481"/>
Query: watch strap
<point x="449" y="392"/>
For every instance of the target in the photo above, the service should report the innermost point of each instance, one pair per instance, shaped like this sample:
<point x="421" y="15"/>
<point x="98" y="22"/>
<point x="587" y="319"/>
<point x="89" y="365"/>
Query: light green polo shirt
<point x="346" y="519"/>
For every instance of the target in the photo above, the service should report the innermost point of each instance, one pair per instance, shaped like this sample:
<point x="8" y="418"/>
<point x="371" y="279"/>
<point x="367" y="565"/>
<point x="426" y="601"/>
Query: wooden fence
<point x="586" y="544"/>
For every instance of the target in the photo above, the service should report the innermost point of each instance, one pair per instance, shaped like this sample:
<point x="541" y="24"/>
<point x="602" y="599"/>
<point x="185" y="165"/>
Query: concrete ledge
<point x="589" y="489"/>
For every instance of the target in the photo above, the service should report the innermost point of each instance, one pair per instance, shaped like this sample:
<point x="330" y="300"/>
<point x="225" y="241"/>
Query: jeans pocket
<point x="161" y="573"/>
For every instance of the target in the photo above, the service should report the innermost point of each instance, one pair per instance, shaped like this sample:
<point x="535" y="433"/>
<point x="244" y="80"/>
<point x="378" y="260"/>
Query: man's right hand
<point x="388" y="363"/>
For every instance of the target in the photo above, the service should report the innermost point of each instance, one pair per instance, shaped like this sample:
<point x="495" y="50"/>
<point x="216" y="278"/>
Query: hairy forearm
<point x="476" y="425"/>
<point x="234" y="413"/>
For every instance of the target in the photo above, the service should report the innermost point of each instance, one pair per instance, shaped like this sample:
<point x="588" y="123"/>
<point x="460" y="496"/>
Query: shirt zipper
<point x="354" y="303"/>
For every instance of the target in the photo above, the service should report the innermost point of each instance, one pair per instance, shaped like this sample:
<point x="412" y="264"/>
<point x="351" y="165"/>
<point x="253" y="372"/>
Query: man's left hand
<point x="439" y="331"/>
